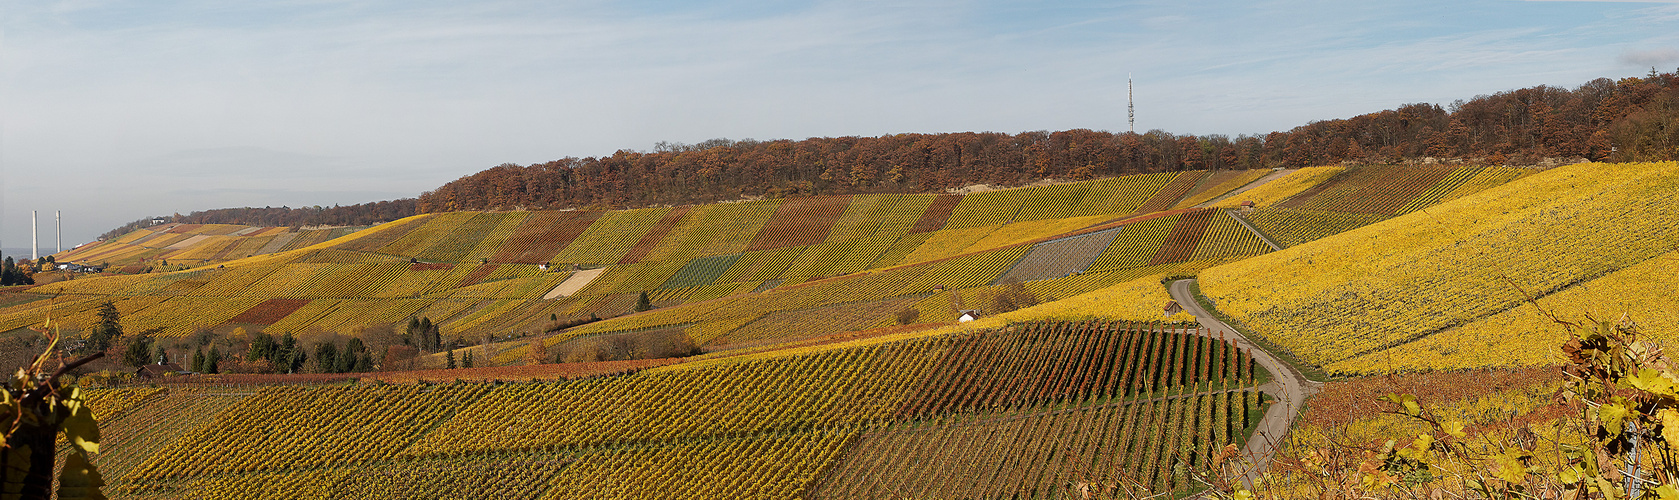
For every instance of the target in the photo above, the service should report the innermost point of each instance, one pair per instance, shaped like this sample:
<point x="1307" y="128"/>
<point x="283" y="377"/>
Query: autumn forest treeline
<point x="1635" y="115"/>
<point x="360" y="214"/>
<point x="1632" y="119"/>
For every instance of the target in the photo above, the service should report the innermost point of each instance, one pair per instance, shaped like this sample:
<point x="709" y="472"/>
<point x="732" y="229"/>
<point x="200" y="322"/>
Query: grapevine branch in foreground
<point x="36" y="408"/>
<point x="1621" y="442"/>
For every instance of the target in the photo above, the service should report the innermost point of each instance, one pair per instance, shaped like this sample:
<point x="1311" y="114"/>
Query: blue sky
<point x="114" y="110"/>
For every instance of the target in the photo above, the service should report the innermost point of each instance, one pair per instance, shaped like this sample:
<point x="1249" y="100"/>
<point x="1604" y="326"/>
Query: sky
<point x="111" y="111"/>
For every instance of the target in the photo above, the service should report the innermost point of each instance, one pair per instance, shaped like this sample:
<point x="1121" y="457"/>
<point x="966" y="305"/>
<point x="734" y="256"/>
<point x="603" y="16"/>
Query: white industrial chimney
<point x="58" y="229"/>
<point x="34" y="243"/>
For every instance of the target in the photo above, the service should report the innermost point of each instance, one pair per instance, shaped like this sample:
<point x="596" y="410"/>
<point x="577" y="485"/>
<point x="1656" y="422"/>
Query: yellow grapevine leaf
<point x="80" y="427"/>
<point x="1604" y="485"/>
<point x="1406" y="400"/>
<point x="1650" y="380"/>
<point x="79" y="480"/>
<point x="1670" y="424"/>
<point x="1571" y="475"/>
<point x="1419" y="448"/>
<point x="1453" y="428"/>
<point x="1667" y="492"/>
<point x="1611" y="415"/>
<point x="1508" y="465"/>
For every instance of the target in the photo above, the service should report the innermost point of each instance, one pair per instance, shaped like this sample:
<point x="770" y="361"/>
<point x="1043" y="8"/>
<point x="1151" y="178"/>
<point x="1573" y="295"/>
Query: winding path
<point x="1287" y="384"/>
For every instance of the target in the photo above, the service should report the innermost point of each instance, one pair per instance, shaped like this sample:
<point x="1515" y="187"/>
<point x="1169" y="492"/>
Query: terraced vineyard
<point x="1292" y="227"/>
<point x="172" y="246"/>
<point x="1219" y="184"/>
<point x="483" y="274"/>
<point x="1318" y="202"/>
<point x="1432" y="272"/>
<point x="479" y="275"/>
<point x="809" y="347"/>
<point x="837" y="422"/>
<point x="1371" y="189"/>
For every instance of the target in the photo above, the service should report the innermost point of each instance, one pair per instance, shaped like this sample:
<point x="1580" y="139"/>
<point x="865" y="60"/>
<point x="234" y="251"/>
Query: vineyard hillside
<point x="1122" y="400"/>
<point x="1429" y="288"/>
<point x="169" y="247"/>
<point x="490" y="276"/>
<point x="722" y="276"/>
<point x="811" y="347"/>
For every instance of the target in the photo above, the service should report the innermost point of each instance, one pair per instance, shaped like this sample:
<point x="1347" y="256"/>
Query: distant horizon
<point x="23" y="253"/>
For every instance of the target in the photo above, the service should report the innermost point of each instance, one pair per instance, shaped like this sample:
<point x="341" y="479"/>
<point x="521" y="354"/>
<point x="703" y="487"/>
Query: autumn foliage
<point x="1521" y="126"/>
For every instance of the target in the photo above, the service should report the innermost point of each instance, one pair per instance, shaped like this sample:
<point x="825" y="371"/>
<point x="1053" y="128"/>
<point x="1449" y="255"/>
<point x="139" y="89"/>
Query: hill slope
<point x="1416" y="275"/>
<point x="806" y="391"/>
<point x="479" y="274"/>
<point x="724" y="276"/>
<point x="916" y="414"/>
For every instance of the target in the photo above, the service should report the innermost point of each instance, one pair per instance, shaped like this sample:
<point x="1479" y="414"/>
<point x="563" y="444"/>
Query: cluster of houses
<point x="80" y="268"/>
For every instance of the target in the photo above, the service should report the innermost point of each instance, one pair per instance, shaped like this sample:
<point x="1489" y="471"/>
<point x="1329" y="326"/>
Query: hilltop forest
<point x="1517" y="127"/>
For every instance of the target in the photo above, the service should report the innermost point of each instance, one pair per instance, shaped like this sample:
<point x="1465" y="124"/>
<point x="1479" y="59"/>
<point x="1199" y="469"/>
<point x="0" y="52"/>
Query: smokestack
<point x="58" y="229"/>
<point x="34" y="242"/>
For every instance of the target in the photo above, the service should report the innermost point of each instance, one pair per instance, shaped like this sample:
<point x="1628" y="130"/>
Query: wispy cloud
<point x="1650" y="57"/>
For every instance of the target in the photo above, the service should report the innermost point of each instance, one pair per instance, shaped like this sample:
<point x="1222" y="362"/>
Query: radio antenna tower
<point x="1130" y="105"/>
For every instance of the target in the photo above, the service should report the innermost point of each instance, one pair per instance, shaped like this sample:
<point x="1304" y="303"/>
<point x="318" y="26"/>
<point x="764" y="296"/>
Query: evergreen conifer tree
<point x="288" y="358"/>
<point x="347" y="358"/>
<point x="642" y="303"/>
<point x="262" y="347"/>
<point x="8" y="273"/>
<point x="107" y="331"/>
<point x="326" y="358"/>
<point x="139" y="351"/>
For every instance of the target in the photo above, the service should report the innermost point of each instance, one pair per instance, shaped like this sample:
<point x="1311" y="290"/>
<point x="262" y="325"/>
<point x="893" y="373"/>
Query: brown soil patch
<point x="936" y="214"/>
<point x="269" y="311"/>
<point x="800" y="221"/>
<point x="654" y="235"/>
<point x="541" y="236"/>
<point x="1181" y="242"/>
<point x="473" y="277"/>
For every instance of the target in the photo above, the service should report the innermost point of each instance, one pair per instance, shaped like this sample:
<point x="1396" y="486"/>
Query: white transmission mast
<point x="1130" y="105"/>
